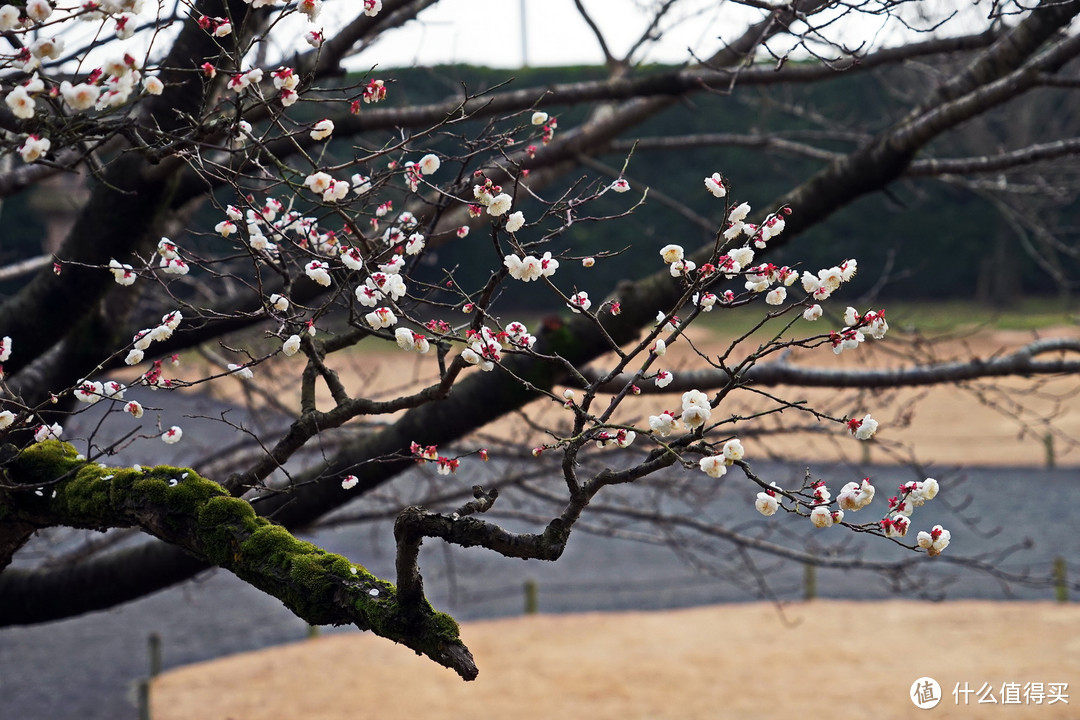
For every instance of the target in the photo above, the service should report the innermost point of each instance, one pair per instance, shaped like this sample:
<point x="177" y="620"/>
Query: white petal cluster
<point x="766" y="502"/>
<point x="715" y="184"/>
<point x="934" y="541"/>
<point x="580" y="302"/>
<point x="696" y="408"/>
<point x="484" y="350"/>
<point x="123" y="274"/>
<point x="663" y="424"/>
<point x="291" y="346"/>
<point x="855" y="496"/>
<point x="414" y="342"/>
<point x="822" y="517"/>
<point x="863" y="429"/>
<point x="319" y="272"/>
<point x="381" y="318"/>
<point x="530" y="267"/>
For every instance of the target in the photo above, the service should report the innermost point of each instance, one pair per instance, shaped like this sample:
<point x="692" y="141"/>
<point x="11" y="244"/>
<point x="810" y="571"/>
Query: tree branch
<point x="49" y="484"/>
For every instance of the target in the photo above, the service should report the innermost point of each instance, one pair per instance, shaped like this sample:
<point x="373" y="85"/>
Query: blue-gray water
<point x="87" y="667"/>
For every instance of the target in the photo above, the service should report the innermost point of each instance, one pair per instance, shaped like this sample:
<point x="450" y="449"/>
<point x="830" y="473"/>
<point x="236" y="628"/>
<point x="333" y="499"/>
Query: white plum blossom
<point x="620" y="186"/>
<point x="166" y="248"/>
<point x="515" y="221"/>
<point x="739" y="213"/>
<point x="670" y="325"/>
<point x="38" y="10"/>
<point x="318" y="271"/>
<point x="33" y="148"/>
<point x="415" y="244"/>
<point x="372" y="7"/>
<point x="172" y="435"/>
<point x="855" y="496"/>
<point x="742" y="257"/>
<point x="134" y="357"/>
<point x="6" y="419"/>
<point x="279" y="302"/>
<point x="88" y="391"/>
<point x="80" y="97"/>
<point x="291" y="346"/>
<point x="352" y="258"/>
<point x="580" y="302"/>
<point x="875" y="324"/>
<point x="705" y="301"/>
<point x="934" y="541"/>
<point x="9" y="17"/>
<point x="368" y="296"/>
<point x="240" y="371"/>
<point x="770" y="229"/>
<point x="322" y="129"/>
<point x="361" y="184"/>
<point x="863" y="429"/>
<point x="152" y="85"/>
<point x="923" y="491"/>
<point x="5" y="349"/>
<point x="382" y="318"/>
<point x="429" y="164"/>
<point x="822" y="517"/>
<point x="539" y="118"/>
<point x="812" y="313"/>
<point x="408" y="340"/>
<point x="337" y="190"/>
<point x="47" y="48"/>
<point x="895" y="526"/>
<point x="696" y="408"/>
<point x="713" y="466"/>
<point x="349" y="482"/>
<point x="663" y="424"/>
<point x="122" y="274"/>
<point x="776" y="296"/>
<point x="766" y="502"/>
<point x="733" y="451"/>
<point x="664" y="378"/>
<point x="715" y="184"/>
<point x="681" y="267"/>
<point x="134" y="408"/>
<point x="175" y="266"/>
<point x="671" y="253"/>
<point x="499" y="204"/>
<point x="20" y="103"/>
<point x="318" y="182"/>
<point x="621" y="438"/>
<point x="44" y="432"/>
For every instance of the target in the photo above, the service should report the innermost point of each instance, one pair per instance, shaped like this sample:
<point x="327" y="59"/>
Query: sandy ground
<point x="836" y="659"/>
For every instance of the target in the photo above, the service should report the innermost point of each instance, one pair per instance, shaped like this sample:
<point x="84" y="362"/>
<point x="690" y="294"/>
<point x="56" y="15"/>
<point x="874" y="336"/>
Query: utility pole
<point x="524" y="36"/>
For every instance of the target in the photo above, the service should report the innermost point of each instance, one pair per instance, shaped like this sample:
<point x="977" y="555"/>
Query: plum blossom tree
<point x="244" y="192"/>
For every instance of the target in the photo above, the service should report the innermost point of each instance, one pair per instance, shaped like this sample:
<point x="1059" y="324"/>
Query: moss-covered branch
<point x="49" y="484"/>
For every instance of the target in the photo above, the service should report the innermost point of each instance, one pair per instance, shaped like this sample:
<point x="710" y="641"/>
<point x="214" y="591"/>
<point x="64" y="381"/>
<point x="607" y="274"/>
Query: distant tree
<point x="210" y="123"/>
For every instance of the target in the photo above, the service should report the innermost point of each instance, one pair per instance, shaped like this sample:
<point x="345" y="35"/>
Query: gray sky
<point x="490" y="33"/>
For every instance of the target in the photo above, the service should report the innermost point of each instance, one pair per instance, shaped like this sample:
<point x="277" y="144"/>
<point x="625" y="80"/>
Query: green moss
<point x="44" y="462"/>
<point x="272" y="545"/>
<point x="220" y="521"/>
<point x="445" y="626"/>
<point x="88" y="494"/>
